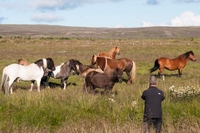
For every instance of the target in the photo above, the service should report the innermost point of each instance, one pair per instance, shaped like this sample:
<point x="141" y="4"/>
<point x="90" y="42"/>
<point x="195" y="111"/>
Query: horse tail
<point x="133" y="71"/>
<point x="155" y="67"/>
<point x="3" y="82"/>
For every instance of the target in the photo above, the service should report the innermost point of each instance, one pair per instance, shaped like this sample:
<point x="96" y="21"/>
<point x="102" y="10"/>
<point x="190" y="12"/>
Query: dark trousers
<point x="148" y="122"/>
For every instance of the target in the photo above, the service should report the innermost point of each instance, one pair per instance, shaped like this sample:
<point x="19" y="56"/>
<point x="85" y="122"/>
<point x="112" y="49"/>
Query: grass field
<point x="72" y="111"/>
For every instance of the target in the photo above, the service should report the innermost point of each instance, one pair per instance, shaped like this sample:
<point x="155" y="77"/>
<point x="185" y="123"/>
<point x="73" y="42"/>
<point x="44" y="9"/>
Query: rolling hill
<point x="88" y="32"/>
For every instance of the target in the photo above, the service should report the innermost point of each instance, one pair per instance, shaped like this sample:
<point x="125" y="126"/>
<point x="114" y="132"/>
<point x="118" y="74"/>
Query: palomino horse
<point x="111" y="54"/>
<point x="177" y="63"/>
<point x="33" y="72"/>
<point x="124" y="64"/>
<point x="104" y="80"/>
<point x="85" y="69"/>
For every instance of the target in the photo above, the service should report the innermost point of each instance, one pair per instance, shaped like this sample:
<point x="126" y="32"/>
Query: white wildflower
<point x="112" y="100"/>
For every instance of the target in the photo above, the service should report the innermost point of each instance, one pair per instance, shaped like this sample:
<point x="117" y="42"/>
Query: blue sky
<point x="101" y="13"/>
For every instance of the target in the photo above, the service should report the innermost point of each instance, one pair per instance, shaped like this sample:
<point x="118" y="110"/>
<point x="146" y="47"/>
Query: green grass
<point x="72" y="111"/>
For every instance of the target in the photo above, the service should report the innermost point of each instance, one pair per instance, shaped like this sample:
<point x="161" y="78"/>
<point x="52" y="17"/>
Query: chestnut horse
<point x="124" y="64"/>
<point x="177" y="63"/>
<point x="23" y="62"/>
<point x="83" y="70"/>
<point x="111" y="54"/>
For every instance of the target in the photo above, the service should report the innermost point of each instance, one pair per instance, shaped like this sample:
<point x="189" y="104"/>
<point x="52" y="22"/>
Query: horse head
<point x="72" y="65"/>
<point x="117" y="50"/>
<point x="93" y="60"/>
<point x="191" y="56"/>
<point x="115" y="73"/>
<point x="119" y="73"/>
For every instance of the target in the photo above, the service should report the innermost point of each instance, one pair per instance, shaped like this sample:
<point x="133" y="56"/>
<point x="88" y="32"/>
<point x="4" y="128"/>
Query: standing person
<point x="153" y="98"/>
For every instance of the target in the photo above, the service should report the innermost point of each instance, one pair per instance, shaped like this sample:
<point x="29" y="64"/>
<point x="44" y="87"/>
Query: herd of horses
<point x="103" y="72"/>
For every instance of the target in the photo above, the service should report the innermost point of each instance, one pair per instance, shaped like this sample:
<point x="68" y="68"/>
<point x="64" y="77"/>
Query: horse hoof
<point x="128" y="83"/>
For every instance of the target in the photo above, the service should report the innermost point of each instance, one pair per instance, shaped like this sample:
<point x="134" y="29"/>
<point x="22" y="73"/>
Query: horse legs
<point x="180" y="72"/>
<point x="32" y="84"/>
<point x="84" y="88"/>
<point x="129" y="77"/>
<point x="63" y="84"/>
<point x="38" y="84"/>
<point x="8" y="88"/>
<point x="160" y="71"/>
<point x="45" y="81"/>
<point x="108" y="89"/>
<point x="92" y="89"/>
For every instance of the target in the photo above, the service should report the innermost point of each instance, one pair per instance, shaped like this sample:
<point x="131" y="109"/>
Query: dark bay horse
<point x="104" y="80"/>
<point x="33" y="72"/>
<point x="124" y="64"/>
<point x="111" y="54"/>
<point x="177" y="63"/>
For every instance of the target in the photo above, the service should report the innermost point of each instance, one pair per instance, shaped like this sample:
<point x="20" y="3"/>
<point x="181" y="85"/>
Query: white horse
<point x="33" y="72"/>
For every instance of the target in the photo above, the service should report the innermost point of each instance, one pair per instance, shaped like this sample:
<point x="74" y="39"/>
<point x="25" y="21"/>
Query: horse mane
<point x="50" y="63"/>
<point x="187" y="54"/>
<point x="39" y="62"/>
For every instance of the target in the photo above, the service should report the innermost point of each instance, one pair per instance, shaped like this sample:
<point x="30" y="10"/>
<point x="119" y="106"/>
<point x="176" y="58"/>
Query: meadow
<point x="72" y="111"/>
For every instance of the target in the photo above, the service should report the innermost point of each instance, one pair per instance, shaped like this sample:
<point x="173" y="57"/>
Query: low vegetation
<point x="72" y="111"/>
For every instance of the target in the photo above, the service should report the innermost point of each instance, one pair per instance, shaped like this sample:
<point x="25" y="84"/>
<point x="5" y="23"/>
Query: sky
<point x="101" y="13"/>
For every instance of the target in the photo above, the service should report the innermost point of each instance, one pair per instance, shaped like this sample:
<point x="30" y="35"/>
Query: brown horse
<point x="124" y="64"/>
<point x="104" y="80"/>
<point x="23" y="62"/>
<point x="177" y="63"/>
<point x="111" y="54"/>
<point x="85" y="69"/>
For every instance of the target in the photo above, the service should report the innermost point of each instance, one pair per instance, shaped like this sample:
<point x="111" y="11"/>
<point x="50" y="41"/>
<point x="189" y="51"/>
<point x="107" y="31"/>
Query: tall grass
<point x="72" y="111"/>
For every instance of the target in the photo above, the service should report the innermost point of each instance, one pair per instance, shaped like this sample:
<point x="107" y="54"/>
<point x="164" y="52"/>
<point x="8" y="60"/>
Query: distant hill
<point x="87" y="32"/>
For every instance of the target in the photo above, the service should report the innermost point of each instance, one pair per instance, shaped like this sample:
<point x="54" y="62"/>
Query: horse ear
<point x="94" y="57"/>
<point x="19" y="60"/>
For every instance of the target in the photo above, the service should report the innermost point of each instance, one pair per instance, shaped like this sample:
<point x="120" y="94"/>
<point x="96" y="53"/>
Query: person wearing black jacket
<point x="153" y="98"/>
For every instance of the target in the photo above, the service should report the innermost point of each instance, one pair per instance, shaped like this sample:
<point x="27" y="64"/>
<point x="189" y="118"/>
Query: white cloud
<point x="188" y="1"/>
<point x="63" y="4"/>
<point x="119" y="26"/>
<point x="187" y="18"/>
<point x="153" y="2"/>
<point x="149" y="24"/>
<point x="46" y="17"/>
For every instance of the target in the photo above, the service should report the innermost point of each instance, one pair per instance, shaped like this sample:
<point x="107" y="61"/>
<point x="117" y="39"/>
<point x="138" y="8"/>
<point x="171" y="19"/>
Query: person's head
<point x="153" y="80"/>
